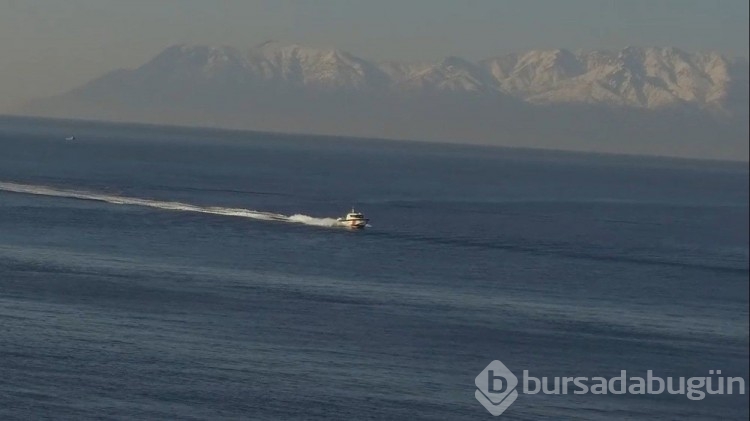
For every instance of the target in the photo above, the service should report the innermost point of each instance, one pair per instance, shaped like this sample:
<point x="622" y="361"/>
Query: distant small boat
<point x="70" y="138"/>
<point x="354" y="220"/>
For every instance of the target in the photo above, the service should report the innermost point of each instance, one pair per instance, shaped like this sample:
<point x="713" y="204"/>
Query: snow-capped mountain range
<point x="278" y="86"/>
<point x="635" y="77"/>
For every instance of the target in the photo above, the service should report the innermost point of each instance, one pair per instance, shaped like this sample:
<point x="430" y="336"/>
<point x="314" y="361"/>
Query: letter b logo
<point x="496" y="388"/>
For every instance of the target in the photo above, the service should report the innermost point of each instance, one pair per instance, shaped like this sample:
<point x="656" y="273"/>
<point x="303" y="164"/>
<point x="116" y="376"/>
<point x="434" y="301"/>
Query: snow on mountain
<point x="452" y="74"/>
<point x="633" y="100"/>
<point x="646" y="78"/>
<point x="313" y="68"/>
<point x="635" y="77"/>
<point x="533" y="72"/>
<point x="196" y="63"/>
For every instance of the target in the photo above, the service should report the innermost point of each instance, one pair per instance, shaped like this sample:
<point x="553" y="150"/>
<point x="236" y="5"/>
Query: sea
<point x="164" y="273"/>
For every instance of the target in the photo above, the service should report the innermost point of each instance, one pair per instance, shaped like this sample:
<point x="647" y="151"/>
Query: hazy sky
<point x="49" y="46"/>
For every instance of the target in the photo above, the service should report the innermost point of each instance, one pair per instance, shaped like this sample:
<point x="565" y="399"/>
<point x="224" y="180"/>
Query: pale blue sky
<point x="48" y="46"/>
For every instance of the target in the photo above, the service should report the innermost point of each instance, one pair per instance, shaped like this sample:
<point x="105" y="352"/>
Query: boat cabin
<point x="354" y="215"/>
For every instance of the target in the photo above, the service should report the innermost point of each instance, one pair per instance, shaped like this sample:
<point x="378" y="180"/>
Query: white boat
<point x="353" y="220"/>
<point x="70" y="138"/>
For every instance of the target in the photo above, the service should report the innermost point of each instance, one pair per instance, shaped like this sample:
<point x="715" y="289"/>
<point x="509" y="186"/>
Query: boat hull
<point x="357" y="225"/>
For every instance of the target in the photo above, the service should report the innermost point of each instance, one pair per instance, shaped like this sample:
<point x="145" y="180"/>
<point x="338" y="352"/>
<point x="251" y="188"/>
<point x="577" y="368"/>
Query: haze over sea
<point x="166" y="273"/>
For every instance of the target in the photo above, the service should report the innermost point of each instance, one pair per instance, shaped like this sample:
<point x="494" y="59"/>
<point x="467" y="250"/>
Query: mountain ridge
<point x="646" y="77"/>
<point x="524" y="96"/>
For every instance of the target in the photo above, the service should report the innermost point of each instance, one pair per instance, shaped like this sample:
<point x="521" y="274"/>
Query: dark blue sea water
<point x="143" y="276"/>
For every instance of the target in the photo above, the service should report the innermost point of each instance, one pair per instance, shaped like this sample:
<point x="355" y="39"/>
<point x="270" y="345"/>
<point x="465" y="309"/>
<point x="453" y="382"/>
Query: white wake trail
<point x="166" y="205"/>
<point x="309" y="220"/>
